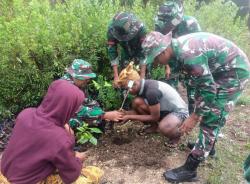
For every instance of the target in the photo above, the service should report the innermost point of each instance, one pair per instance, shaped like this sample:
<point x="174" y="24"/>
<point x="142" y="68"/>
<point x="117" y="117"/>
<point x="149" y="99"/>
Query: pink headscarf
<point x="39" y="143"/>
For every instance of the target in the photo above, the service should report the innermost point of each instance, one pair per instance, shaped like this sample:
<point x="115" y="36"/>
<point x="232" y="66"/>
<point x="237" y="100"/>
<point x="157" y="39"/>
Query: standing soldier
<point x="129" y="32"/>
<point x="170" y="18"/>
<point x="218" y="71"/>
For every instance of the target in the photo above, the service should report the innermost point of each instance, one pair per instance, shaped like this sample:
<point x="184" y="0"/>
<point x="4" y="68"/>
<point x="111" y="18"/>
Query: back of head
<point x="125" y="26"/>
<point x="60" y="103"/>
<point x="170" y="15"/>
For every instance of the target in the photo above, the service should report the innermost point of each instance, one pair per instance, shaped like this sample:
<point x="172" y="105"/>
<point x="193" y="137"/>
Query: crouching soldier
<point x="218" y="70"/>
<point x="80" y="73"/>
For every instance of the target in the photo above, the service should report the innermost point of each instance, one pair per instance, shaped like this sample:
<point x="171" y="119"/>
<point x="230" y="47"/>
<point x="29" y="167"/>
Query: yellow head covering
<point x="127" y="74"/>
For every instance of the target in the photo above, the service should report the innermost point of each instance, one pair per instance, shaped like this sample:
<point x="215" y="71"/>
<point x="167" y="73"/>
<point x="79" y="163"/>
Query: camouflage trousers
<point x="247" y="169"/>
<point x="215" y="119"/>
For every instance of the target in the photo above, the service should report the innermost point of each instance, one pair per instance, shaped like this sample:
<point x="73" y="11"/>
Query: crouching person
<point x="40" y="149"/>
<point x="80" y="74"/>
<point x="158" y="104"/>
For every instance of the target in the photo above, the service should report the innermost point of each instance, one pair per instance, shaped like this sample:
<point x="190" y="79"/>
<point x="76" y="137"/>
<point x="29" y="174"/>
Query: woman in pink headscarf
<point x="39" y="144"/>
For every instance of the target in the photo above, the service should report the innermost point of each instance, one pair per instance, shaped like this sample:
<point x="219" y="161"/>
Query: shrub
<point x="37" y="40"/>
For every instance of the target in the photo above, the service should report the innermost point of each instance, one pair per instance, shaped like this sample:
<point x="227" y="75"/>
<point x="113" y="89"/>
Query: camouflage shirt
<point x="132" y="48"/>
<point x="209" y="63"/>
<point x="89" y="112"/>
<point x="188" y="25"/>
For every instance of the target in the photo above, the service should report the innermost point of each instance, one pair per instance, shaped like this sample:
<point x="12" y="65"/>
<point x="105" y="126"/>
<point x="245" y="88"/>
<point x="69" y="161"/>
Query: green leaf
<point x="82" y="141"/>
<point x="106" y="84"/>
<point x="93" y="140"/>
<point x="95" y="130"/>
<point x="97" y="86"/>
<point x="80" y="129"/>
<point x="87" y="135"/>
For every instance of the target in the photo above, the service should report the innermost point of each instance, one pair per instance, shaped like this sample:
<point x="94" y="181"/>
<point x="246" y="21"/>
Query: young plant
<point x="109" y="97"/>
<point x="85" y="134"/>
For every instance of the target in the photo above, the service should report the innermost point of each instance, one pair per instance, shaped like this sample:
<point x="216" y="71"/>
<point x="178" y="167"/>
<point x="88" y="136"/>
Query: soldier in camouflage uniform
<point x="218" y="71"/>
<point x="128" y="32"/>
<point x="247" y="169"/>
<point x="169" y="18"/>
<point x="80" y="73"/>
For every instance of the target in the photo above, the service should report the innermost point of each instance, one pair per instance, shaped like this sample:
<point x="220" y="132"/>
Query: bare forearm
<point x="115" y="70"/>
<point x="143" y="118"/>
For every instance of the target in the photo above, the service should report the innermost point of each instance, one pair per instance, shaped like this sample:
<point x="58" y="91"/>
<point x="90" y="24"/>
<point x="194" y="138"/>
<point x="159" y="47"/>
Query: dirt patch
<point x="128" y="158"/>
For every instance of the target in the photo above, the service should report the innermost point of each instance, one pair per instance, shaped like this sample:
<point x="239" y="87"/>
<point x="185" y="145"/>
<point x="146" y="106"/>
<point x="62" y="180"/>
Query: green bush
<point x="37" y="40"/>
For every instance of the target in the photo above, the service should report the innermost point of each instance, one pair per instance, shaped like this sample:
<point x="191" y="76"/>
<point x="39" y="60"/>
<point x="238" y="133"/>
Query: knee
<point x="166" y="130"/>
<point x="137" y="102"/>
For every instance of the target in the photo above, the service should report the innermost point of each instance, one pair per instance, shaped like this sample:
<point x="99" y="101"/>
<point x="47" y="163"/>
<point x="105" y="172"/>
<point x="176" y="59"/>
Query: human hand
<point x="115" y="82"/>
<point x="125" y="118"/>
<point x="189" y="123"/>
<point x="81" y="155"/>
<point x="113" y="115"/>
<point x="68" y="129"/>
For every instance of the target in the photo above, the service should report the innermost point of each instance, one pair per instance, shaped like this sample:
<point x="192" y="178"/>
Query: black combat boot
<point x="186" y="172"/>
<point x="212" y="153"/>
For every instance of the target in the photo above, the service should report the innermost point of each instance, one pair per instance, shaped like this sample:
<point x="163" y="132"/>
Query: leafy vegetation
<point x="85" y="134"/>
<point x="38" y="40"/>
<point x="109" y="97"/>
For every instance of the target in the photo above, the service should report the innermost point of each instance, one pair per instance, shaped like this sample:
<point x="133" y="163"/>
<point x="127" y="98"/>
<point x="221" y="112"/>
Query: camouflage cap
<point x="81" y="70"/>
<point x="170" y="14"/>
<point x="125" y="26"/>
<point x="154" y="44"/>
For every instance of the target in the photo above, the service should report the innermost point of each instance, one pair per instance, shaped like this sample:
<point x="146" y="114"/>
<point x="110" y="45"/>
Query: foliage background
<point x="38" y="40"/>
